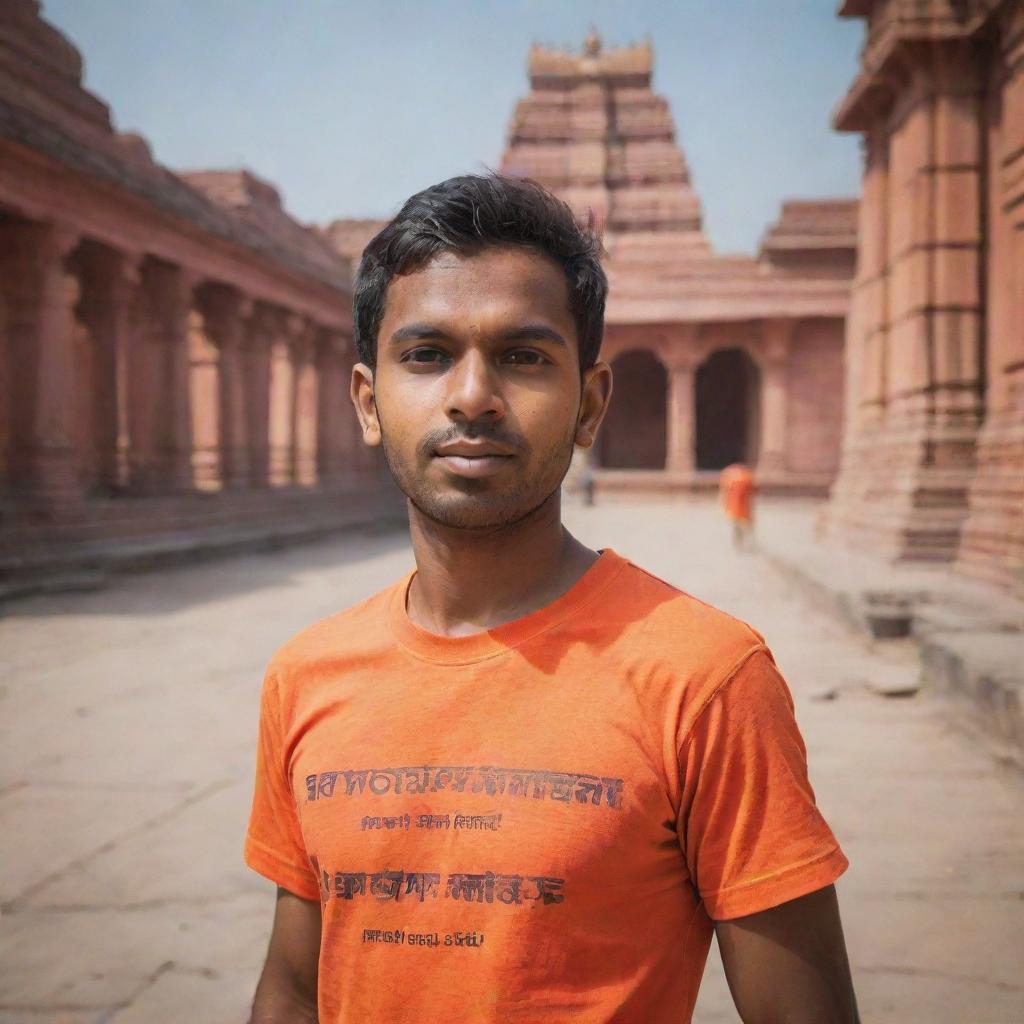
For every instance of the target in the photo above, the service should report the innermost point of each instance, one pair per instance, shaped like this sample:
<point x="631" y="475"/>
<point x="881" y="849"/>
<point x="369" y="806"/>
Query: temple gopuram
<point x="933" y="456"/>
<point x="175" y="347"/>
<point x="717" y="359"/>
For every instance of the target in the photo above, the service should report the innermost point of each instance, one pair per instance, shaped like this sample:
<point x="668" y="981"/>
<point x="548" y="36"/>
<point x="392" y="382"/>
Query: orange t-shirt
<point x="538" y="822"/>
<point x="737" y="485"/>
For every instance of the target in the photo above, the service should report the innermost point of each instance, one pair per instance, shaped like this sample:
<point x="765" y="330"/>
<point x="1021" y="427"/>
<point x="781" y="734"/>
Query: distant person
<point x="736" y="490"/>
<point x="528" y="781"/>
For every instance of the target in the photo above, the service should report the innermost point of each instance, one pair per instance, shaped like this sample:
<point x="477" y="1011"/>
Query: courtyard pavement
<point x="127" y="724"/>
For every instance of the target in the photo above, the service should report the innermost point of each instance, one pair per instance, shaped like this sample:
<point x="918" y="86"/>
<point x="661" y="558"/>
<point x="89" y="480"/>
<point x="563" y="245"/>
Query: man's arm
<point x="788" y="965"/>
<point x="286" y="993"/>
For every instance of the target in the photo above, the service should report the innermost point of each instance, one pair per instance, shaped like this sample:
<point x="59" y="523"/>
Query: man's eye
<point x="423" y="356"/>
<point x="524" y="357"/>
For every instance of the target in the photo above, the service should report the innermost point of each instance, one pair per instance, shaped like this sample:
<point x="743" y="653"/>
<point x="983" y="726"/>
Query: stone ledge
<point x="89" y="565"/>
<point x="969" y="638"/>
<point x="982" y="669"/>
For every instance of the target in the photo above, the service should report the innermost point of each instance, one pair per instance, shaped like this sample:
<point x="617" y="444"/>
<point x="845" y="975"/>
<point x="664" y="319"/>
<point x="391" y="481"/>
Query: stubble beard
<point x="479" y="507"/>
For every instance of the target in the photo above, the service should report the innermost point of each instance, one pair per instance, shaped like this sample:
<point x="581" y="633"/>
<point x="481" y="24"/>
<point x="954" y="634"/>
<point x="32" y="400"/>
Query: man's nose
<point x="474" y="391"/>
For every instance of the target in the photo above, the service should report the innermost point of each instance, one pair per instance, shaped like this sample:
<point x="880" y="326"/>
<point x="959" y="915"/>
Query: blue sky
<point x="349" y="106"/>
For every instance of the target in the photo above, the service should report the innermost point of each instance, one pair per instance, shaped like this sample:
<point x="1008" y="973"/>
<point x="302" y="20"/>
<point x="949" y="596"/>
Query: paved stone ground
<point x="126" y="748"/>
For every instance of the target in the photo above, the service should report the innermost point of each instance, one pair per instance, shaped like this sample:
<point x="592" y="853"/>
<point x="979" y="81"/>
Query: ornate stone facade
<point x="933" y="453"/>
<point x="716" y="358"/>
<point x="174" y="349"/>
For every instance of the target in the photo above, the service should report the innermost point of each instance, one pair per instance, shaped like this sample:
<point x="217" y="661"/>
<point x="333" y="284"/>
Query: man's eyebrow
<point x="525" y="332"/>
<point x="417" y="332"/>
<point x="534" y="332"/>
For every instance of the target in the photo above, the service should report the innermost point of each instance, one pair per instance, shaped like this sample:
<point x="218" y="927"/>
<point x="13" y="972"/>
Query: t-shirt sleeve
<point x="751" y="832"/>
<point x="273" y="841"/>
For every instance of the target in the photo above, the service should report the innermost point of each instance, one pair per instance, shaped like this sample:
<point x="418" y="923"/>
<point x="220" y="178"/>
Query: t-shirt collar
<point x="461" y="650"/>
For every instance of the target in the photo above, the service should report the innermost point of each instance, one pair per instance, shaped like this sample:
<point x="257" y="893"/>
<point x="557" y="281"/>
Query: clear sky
<point x="349" y="106"/>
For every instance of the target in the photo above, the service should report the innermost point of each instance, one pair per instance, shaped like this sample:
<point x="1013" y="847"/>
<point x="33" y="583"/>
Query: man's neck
<point x="472" y="580"/>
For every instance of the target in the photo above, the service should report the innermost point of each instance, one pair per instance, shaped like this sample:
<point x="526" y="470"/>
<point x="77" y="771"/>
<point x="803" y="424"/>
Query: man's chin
<point x="468" y="513"/>
<point x="480" y="511"/>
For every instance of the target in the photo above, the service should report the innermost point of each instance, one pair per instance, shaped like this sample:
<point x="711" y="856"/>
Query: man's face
<point x="476" y="395"/>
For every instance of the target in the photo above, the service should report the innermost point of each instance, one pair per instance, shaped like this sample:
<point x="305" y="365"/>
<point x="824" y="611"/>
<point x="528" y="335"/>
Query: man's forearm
<point x="280" y="1000"/>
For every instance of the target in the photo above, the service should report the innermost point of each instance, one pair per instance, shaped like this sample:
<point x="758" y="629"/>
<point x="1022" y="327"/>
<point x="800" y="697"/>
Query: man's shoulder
<point x="351" y="632"/>
<point x="674" y="623"/>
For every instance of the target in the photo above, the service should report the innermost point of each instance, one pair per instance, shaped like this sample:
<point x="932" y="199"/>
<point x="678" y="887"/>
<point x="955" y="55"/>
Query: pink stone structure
<point x="348" y="236"/>
<point x="174" y="349"/>
<point x="717" y="358"/>
<point x="933" y="451"/>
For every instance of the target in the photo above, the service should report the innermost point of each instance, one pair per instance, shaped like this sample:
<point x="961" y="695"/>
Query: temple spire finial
<point x="593" y="43"/>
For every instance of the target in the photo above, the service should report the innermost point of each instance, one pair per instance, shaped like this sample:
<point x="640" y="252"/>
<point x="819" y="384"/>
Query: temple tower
<point x="593" y="130"/>
<point x="717" y="359"/>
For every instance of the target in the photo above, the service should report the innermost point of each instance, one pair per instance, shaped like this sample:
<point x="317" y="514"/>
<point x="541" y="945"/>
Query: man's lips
<point x="472" y="460"/>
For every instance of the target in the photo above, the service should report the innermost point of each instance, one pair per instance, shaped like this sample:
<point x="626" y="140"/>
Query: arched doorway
<point x="634" y="432"/>
<point x="728" y="409"/>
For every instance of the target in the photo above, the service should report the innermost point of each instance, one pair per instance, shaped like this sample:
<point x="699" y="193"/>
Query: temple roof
<point x="44" y="107"/>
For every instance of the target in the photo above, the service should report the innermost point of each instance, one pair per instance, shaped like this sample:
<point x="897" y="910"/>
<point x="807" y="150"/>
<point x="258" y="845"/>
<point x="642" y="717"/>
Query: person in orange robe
<point x="736" y="490"/>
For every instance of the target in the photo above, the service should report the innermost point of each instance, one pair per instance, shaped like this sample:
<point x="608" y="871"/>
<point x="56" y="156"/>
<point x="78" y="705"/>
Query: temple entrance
<point x="634" y="432"/>
<point x="728" y="409"/>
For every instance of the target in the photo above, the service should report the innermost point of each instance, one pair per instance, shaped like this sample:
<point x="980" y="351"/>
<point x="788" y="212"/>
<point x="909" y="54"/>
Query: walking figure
<point x="736" y="491"/>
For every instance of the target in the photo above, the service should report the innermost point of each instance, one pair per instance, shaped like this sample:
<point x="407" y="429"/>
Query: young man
<point x="529" y="780"/>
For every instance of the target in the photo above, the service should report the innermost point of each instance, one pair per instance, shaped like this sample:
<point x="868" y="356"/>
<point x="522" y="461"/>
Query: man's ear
<point x="365" y="403"/>
<point x="597" y="393"/>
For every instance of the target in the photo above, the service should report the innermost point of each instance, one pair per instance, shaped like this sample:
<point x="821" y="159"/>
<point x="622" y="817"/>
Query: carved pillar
<point x="224" y="312"/>
<point x="867" y="323"/>
<point x="124" y="311"/>
<point x="681" y="363"/>
<point x="159" y="406"/>
<point x="41" y="293"/>
<point x="174" y="434"/>
<point x="263" y="327"/>
<point x="306" y="407"/>
<point x="777" y="335"/>
<point x="109" y="281"/>
<point x="282" y="403"/>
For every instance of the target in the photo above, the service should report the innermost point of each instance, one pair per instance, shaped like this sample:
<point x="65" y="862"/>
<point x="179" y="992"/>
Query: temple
<point x="933" y="453"/>
<point x="176" y="347"/>
<point x="717" y="359"/>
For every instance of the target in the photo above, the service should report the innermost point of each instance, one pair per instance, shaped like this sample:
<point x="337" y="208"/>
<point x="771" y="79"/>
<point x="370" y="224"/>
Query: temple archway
<point x="728" y="409"/>
<point x="634" y="434"/>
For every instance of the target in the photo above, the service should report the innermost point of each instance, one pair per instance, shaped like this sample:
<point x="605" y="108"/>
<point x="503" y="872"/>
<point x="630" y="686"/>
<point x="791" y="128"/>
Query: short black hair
<point x="471" y="213"/>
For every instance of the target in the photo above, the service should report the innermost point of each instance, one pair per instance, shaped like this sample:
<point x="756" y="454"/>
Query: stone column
<point x="124" y="322"/>
<point x="953" y="241"/>
<point x="158" y="401"/>
<point x="225" y="311"/>
<point x="97" y="394"/>
<point x="263" y="326"/>
<point x="174" y="432"/>
<point x="776" y="335"/>
<point x="682" y="413"/>
<point x="867" y="322"/>
<point x="306" y="407"/>
<point x="282" y="402"/>
<point x="42" y="294"/>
